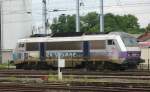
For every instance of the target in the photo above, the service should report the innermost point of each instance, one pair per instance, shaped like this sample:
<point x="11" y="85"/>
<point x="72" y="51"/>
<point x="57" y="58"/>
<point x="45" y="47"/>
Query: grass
<point x="12" y="78"/>
<point x="52" y="78"/>
<point x="71" y="78"/>
<point x="6" y="66"/>
<point x="3" y="66"/>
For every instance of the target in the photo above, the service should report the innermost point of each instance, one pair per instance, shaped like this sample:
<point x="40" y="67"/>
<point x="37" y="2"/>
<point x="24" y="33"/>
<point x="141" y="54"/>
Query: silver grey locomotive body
<point x="116" y="48"/>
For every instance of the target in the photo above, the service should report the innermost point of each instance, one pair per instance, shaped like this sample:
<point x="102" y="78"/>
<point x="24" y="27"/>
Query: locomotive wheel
<point x="89" y="65"/>
<point x="19" y="66"/>
<point x="27" y="66"/>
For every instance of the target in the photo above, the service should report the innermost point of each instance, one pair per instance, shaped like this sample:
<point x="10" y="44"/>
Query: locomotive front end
<point x="132" y="55"/>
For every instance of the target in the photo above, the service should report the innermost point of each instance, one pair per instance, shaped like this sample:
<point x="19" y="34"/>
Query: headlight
<point x="134" y="54"/>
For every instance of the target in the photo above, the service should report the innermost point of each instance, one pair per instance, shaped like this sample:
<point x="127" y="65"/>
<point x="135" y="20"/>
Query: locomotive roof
<point x="74" y="38"/>
<point x="68" y="34"/>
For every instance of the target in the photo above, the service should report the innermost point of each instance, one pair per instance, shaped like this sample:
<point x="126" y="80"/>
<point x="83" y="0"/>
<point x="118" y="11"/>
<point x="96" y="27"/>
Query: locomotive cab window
<point x="110" y="42"/>
<point x="32" y="46"/>
<point x="21" y="45"/>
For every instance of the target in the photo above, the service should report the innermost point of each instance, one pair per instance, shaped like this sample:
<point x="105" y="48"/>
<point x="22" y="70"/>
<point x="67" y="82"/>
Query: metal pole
<point x="1" y="32"/>
<point x="101" y="16"/>
<point x="8" y="64"/>
<point x="59" y="68"/>
<point x="45" y="16"/>
<point x="148" y="58"/>
<point x="77" y="16"/>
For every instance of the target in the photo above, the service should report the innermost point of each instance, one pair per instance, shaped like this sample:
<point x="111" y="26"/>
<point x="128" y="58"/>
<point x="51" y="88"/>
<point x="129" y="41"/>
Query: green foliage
<point x="6" y="66"/>
<point x="111" y="23"/>
<point x="148" y="28"/>
<point x="65" y="23"/>
<point x="90" y="23"/>
<point x="126" y="23"/>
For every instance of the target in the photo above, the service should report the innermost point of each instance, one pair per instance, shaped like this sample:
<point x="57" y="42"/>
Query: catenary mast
<point x="44" y="16"/>
<point x="101" y="16"/>
<point x="77" y="16"/>
<point x="0" y="32"/>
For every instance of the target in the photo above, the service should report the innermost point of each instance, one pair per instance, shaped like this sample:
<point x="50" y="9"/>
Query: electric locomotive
<point x="114" y="50"/>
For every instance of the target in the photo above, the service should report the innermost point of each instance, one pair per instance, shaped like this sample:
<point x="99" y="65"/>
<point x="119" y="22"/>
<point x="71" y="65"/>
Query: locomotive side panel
<point x="66" y="50"/>
<point x="114" y="50"/>
<point x="89" y="50"/>
<point x="64" y="45"/>
<point x="98" y="50"/>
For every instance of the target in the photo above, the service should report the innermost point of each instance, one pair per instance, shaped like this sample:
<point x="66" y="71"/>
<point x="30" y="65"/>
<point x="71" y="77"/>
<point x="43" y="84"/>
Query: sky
<point x="139" y="8"/>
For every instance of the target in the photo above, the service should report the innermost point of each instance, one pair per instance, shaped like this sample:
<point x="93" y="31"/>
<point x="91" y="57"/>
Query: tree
<point x="130" y="24"/>
<point x="126" y="23"/>
<point x="110" y="23"/>
<point x="148" y="28"/>
<point x="90" y="23"/>
<point x="65" y="23"/>
<point x="54" y="26"/>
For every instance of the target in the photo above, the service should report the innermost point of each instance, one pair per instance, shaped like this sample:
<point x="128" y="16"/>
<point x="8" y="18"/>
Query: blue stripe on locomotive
<point x="86" y="49"/>
<point x="42" y="51"/>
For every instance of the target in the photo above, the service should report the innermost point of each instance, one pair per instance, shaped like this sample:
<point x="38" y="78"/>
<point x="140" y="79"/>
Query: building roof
<point x="144" y="37"/>
<point x="136" y="35"/>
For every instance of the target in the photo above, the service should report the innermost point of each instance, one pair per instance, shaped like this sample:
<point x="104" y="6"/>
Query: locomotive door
<point x="112" y="50"/>
<point x="86" y="50"/>
<point x="42" y="49"/>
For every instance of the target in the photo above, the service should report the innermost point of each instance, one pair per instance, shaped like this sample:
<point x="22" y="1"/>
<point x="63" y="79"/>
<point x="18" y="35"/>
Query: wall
<point x="16" y="23"/>
<point x="7" y="56"/>
<point x="145" y="54"/>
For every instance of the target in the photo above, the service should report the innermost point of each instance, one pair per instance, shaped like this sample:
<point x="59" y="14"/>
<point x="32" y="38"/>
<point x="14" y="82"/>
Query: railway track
<point x="60" y="87"/>
<point x="79" y="86"/>
<point x="75" y="72"/>
<point x="25" y="72"/>
<point x="34" y="76"/>
<point x="143" y="75"/>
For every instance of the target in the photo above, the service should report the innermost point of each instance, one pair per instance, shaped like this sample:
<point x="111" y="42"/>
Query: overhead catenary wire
<point x="37" y="12"/>
<point x="139" y="13"/>
<point x="73" y="9"/>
